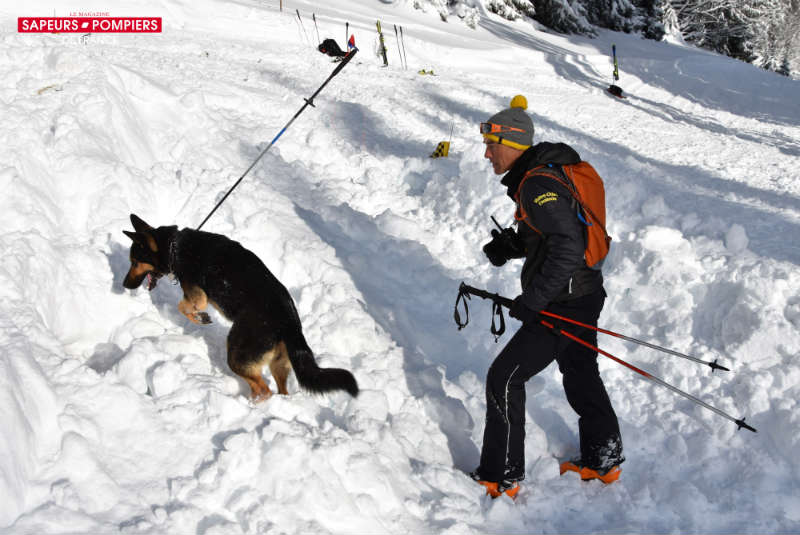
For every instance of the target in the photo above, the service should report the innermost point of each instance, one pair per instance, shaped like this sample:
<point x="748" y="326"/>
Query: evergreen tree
<point x="615" y="15"/>
<point x="651" y="18"/>
<point x="779" y="38"/>
<point x="768" y="40"/>
<point x="763" y="32"/>
<point x="793" y="35"/>
<point x="670" y="19"/>
<point x="511" y="9"/>
<point x="785" y="68"/>
<point x="725" y="26"/>
<point x="565" y="16"/>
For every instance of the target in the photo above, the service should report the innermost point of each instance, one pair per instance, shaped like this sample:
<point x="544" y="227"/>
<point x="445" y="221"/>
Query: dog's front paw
<point x="203" y="318"/>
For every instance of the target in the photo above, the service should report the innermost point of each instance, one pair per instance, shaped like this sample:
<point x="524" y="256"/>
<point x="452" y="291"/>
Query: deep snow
<point x="120" y="415"/>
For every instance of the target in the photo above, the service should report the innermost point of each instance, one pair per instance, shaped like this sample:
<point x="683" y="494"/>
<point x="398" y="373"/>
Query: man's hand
<point x="504" y="245"/>
<point x="495" y="251"/>
<point x="520" y="311"/>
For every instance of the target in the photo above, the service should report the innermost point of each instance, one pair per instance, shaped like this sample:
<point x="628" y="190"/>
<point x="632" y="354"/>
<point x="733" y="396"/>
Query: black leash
<point x="309" y="102"/>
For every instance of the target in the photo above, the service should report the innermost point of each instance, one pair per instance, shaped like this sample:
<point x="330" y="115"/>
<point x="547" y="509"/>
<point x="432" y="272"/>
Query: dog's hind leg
<point x="280" y="367"/>
<point x="249" y="369"/>
<point x="193" y="303"/>
<point x="249" y="351"/>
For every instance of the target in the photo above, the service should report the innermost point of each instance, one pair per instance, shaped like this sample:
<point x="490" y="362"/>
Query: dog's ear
<point x="145" y="233"/>
<point x="133" y="235"/>
<point x="139" y="224"/>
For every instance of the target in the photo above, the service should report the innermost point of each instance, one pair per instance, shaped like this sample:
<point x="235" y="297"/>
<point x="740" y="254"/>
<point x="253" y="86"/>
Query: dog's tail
<point x="310" y="376"/>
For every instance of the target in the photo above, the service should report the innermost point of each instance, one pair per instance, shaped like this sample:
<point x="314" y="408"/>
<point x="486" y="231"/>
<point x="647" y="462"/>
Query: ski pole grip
<point x="483" y="294"/>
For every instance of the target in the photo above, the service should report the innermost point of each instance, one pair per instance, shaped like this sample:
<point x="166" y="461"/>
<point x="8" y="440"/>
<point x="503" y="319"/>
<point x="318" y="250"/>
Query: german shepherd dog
<point x="266" y="329"/>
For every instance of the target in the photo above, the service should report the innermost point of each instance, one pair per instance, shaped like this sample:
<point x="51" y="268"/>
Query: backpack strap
<point x="563" y="178"/>
<point x="543" y="170"/>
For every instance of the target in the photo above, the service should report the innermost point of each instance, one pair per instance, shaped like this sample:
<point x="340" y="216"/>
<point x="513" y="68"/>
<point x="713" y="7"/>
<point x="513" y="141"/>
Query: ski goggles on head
<point x="491" y="128"/>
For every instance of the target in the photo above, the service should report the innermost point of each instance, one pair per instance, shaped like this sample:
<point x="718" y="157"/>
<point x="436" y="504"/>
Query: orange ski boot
<point x="495" y="489"/>
<point x="606" y="476"/>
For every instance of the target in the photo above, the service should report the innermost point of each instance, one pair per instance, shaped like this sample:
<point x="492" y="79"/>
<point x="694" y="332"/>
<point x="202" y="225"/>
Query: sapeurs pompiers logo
<point x="89" y="22"/>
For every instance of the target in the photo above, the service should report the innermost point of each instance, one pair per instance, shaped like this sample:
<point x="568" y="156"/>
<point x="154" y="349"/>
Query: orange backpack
<point x="586" y="187"/>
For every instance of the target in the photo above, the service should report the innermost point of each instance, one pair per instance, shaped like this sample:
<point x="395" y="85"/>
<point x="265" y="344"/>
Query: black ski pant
<point x="530" y="351"/>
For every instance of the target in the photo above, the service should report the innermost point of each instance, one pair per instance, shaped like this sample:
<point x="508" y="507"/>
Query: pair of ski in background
<point x="400" y="46"/>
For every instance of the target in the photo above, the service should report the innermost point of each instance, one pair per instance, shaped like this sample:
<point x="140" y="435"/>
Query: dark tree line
<point x="762" y="32"/>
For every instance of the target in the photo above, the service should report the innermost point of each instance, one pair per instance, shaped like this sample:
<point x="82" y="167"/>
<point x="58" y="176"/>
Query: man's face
<point x="501" y="156"/>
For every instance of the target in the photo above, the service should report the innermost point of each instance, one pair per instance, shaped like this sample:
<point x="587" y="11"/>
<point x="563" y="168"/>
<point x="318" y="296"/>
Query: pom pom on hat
<point x="519" y="101"/>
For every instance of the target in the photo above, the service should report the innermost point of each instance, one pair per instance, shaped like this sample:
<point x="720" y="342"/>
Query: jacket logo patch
<point x="546" y="198"/>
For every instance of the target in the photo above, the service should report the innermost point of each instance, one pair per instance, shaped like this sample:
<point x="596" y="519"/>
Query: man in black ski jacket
<point x="555" y="277"/>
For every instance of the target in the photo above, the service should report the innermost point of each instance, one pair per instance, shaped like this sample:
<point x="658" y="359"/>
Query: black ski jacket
<point x="555" y="268"/>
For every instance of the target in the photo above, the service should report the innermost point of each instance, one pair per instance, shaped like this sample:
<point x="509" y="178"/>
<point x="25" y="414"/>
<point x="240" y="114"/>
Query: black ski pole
<point x="346" y="33"/>
<point x="301" y="24"/>
<point x="403" y="44"/>
<point x="464" y="291"/>
<point x="314" y="18"/>
<point x="486" y="295"/>
<point x="399" y="53"/>
<point x="309" y="102"/>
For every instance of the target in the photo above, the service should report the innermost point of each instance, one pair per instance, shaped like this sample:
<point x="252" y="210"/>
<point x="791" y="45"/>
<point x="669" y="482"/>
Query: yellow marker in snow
<point x="442" y="150"/>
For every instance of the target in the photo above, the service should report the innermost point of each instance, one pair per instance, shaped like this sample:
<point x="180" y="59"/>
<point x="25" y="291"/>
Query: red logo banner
<point x="89" y="25"/>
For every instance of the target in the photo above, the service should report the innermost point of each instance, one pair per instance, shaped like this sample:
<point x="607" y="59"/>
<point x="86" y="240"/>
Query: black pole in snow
<point x="314" y="17"/>
<point x="301" y="24"/>
<point x="399" y="53"/>
<point x="403" y="43"/>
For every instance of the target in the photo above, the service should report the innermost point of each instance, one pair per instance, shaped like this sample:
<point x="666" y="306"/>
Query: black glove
<point x="520" y="311"/>
<point x="495" y="251"/>
<point x="504" y="245"/>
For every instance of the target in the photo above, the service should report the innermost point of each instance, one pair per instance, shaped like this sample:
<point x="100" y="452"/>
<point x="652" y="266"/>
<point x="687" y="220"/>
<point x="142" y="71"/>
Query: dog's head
<point x="147" y="254"/>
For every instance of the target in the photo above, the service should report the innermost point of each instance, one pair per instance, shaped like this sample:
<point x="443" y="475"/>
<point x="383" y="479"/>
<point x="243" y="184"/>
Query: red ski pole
<point x="464" y="291"/>
<point x="713" y="365"/>
<point x="739" y="422"/>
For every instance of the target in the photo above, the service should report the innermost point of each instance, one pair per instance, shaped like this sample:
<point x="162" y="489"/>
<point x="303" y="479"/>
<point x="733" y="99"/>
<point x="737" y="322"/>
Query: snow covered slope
<point x="120" y="415"/>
